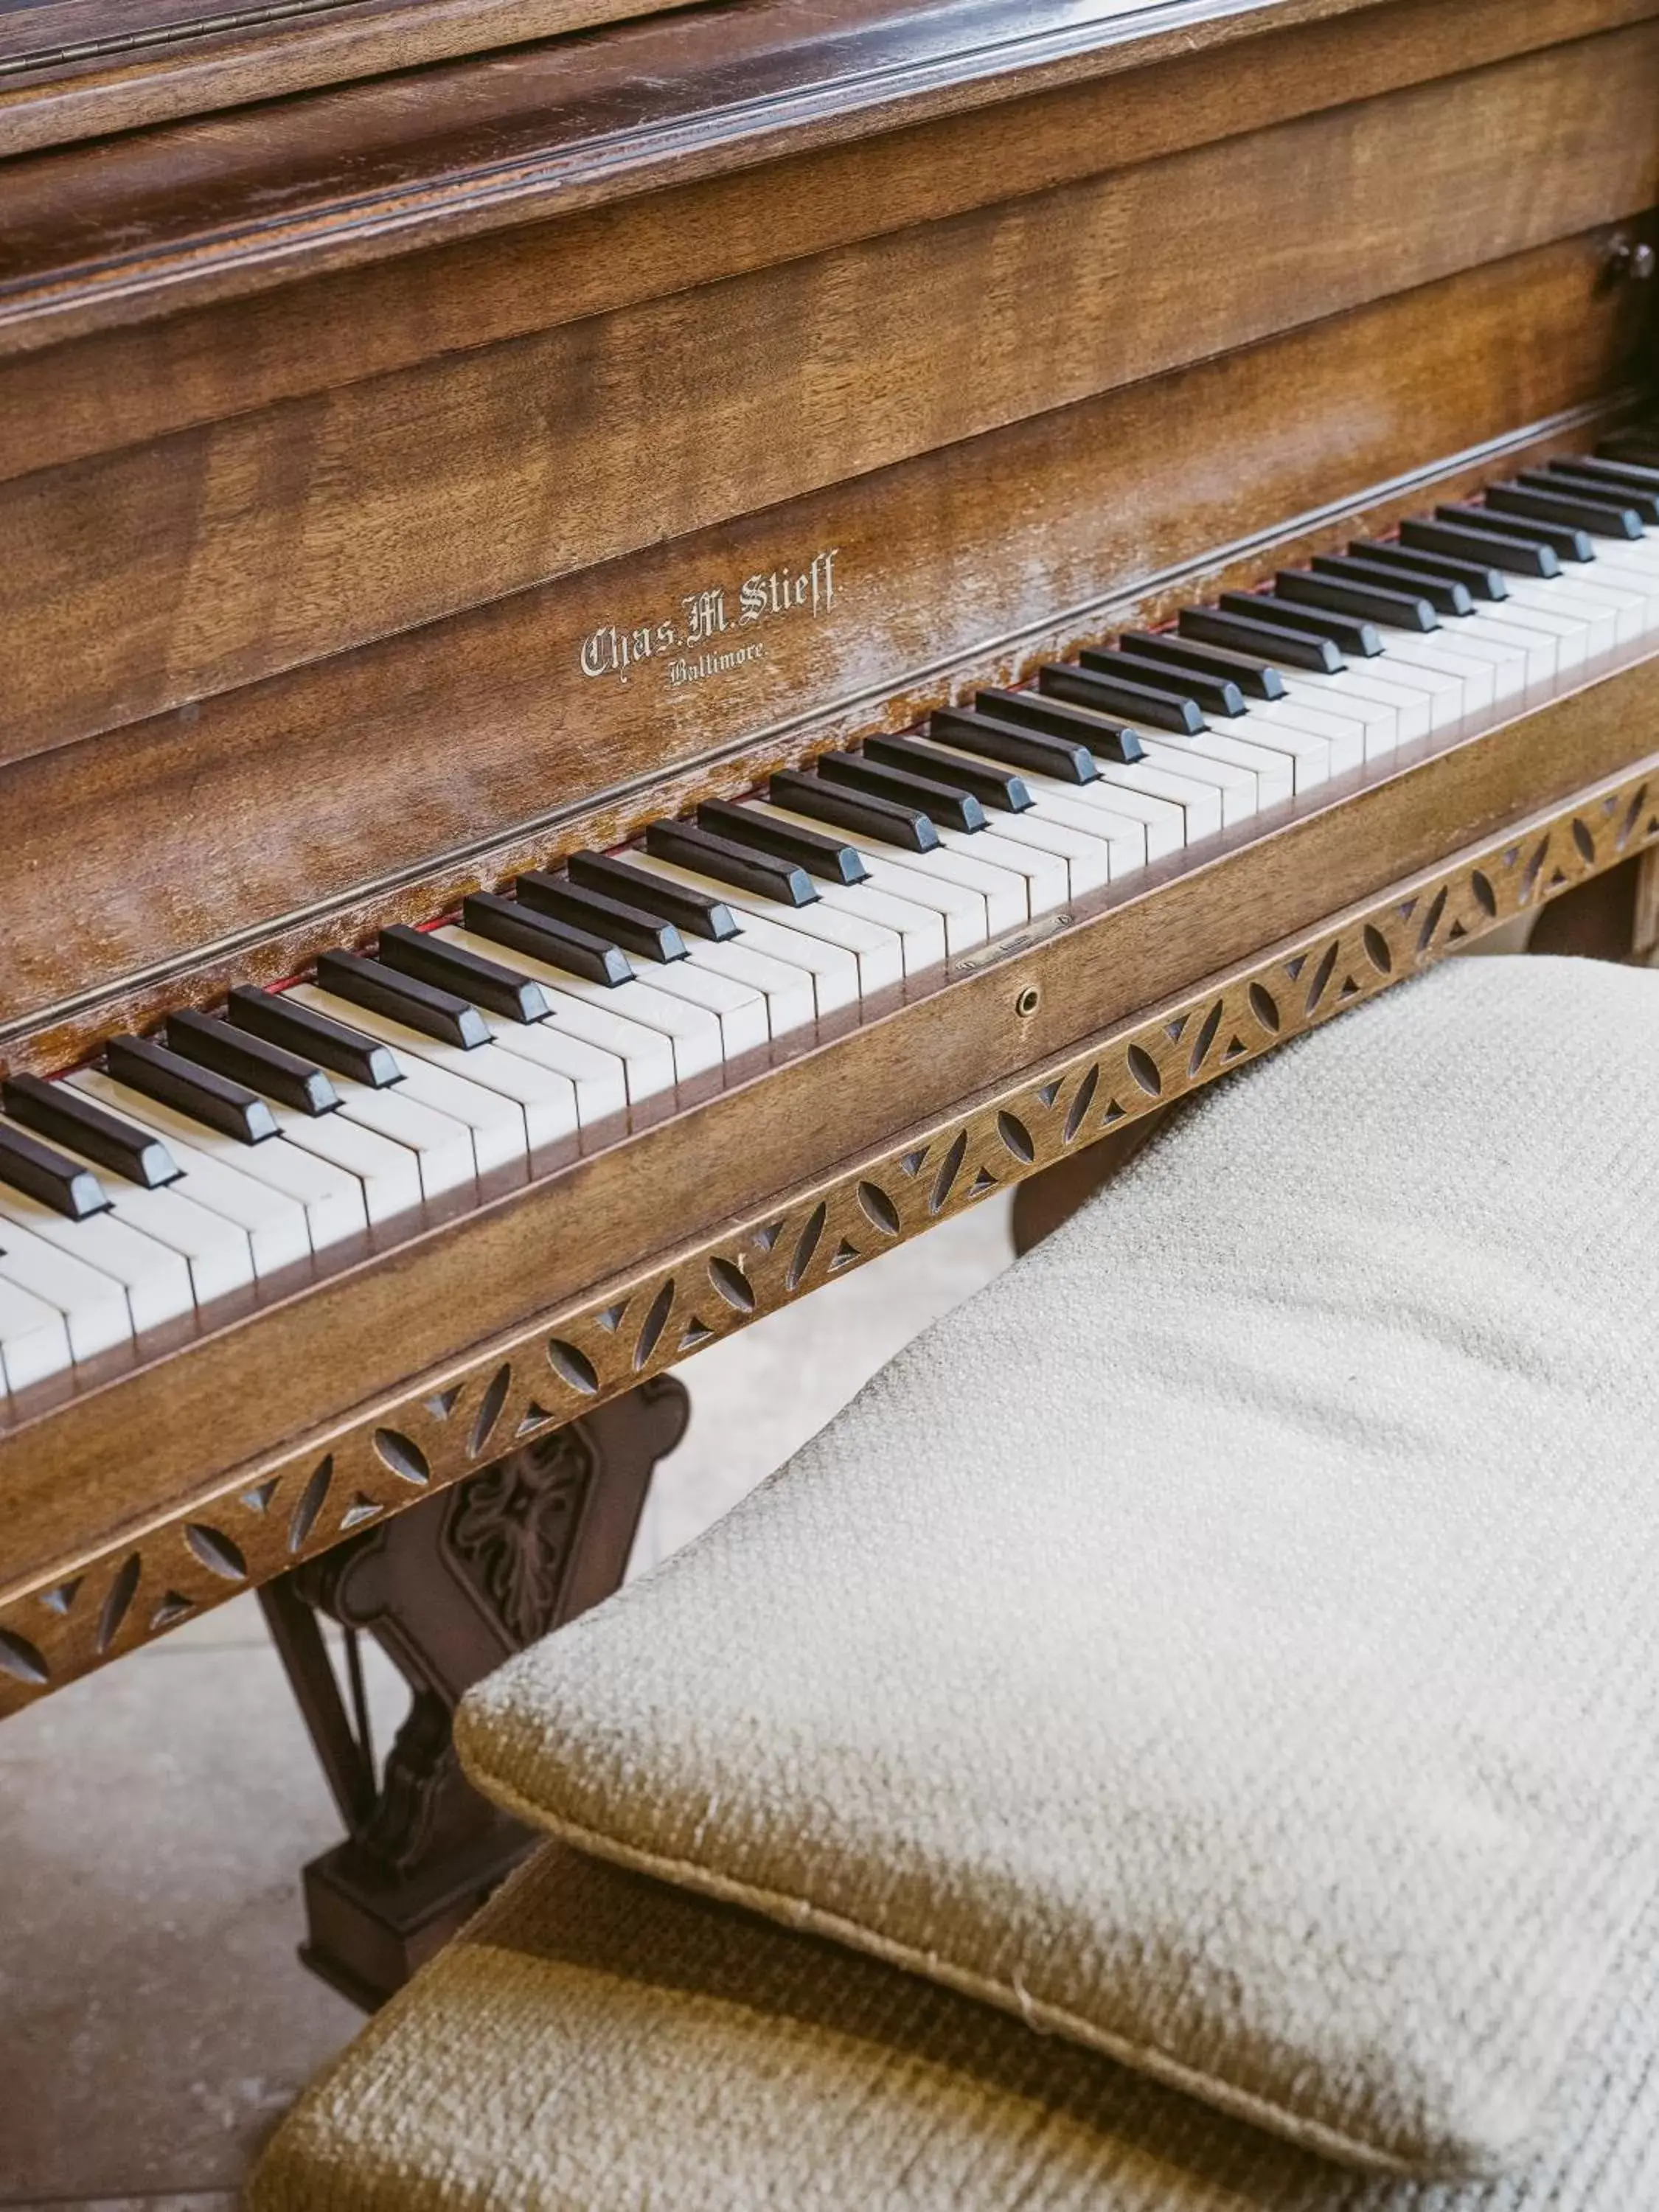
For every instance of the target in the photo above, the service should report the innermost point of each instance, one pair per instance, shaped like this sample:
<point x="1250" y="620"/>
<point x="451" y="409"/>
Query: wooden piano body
<point x="379" y="465"/>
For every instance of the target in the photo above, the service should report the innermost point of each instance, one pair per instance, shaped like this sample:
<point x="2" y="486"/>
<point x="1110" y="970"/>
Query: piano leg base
<point x="448" y="1590"/>
<point x="368" y="1934"/>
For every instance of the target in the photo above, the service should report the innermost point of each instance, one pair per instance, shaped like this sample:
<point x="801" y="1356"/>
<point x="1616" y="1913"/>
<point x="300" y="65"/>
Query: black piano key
<point x="1211" y="693"/>
<point x="543" y="936"/>
<point x="1396" y="610"/>
<point x="1351" y="632"/>
<point x="1097" y="735"/>
<point x="1253" y="633"/>
<point x="467" y="975"/>
<point x="215" y="1101"/>
<point x="1600" y="517"/>
<point x="271" y="1069"/>
<point x="1640" y="445"/>
<point x="1602" y="480"/>
<point x="1516" y="557"/>
<point x="1104" y="694"/>
<point x="999" y="788"/>
<point x="1256" y="679"/>
<point x="1630" y="476"/>
<point x="1478" y="580"/>
<point x="1445" y="598"/>
<point x="1015" y="744"/>
<point x="693" y="912"/>
<point x="423" y="1006"/>
<point x="55" y="1111"/>
<point x="28" y="1165"/>
<point x="831" y="859"/>
<point x="746" y="870"/>
<point x="610" y="920"/>
<point x="946" y="807"/>
<point x="310" y="1035"/>
<point x="1558" y="538"/>
<point x="907" y="829"/>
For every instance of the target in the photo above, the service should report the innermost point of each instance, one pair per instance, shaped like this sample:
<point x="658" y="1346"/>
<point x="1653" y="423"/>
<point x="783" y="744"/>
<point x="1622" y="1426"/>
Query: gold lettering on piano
<point x="705" y="635"/>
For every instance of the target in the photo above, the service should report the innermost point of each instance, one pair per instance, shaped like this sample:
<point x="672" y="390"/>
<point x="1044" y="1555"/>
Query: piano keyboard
<point x="230" y="1147"/>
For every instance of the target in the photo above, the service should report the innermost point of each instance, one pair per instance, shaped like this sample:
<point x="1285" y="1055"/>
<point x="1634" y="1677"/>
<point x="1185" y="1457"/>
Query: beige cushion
<point x="598" y="2043"/>
<point x="1228" y="1639"/>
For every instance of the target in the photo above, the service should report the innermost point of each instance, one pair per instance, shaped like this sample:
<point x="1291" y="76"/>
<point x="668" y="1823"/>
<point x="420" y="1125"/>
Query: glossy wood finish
<point x="78" y="69"/>
<point x="1196" y="463"/>
<point x="164" y="1564"/>
<point x="336" y="433"/>
<point x="229" y="554"/>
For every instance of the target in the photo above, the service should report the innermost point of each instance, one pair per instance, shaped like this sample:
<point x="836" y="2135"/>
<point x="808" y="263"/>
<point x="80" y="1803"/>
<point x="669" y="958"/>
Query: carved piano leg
<point x="449" y="1589"/>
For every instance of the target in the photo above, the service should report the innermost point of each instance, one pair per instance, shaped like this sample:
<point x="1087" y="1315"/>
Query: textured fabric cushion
<point x="1228" y="1639"/>
<point x="597" y="2042"/>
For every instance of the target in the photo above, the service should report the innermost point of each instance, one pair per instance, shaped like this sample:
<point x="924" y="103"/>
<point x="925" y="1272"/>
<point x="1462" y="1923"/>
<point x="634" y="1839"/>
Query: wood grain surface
<point x="964" y="565"/>
<point x="169" y="218"/>
<point x="154" y="577"/>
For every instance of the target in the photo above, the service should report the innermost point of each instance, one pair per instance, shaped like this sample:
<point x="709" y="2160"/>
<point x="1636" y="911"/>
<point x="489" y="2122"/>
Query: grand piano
<point x="643" y="656"/>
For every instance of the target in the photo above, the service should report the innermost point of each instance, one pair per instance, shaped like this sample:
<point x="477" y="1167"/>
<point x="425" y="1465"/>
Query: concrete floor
<point x="154" y="2020"/>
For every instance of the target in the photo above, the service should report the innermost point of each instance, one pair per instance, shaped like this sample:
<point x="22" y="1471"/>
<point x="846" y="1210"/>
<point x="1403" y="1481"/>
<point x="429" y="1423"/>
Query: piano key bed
<point x="235" y="1146"/>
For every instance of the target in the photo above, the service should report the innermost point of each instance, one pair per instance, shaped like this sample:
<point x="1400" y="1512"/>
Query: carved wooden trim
<point x="293" y="1503"/>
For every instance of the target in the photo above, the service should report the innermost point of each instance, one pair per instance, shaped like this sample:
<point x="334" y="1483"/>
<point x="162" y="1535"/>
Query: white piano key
<point x="330" y="1202"/>
<point x="1491" y="672"/>
<point x="439" y="1146"/>
<point x="918" y="929"/>
<point x="1132" y="830"/>
<point x="433" y="1076"/>
<point x="1571" y="627"/>
<point x="1126" y="837"/>
<point x="1379" y="712"/>
<point x="1087" y="859"/>
<point x="546" y="1101"/>
<point x="834" y="969"/>
<point x="961" y="911"/>
<point x="785" y="992"/>
<point x="597" y="1080"/>
<point x="216" y="1251"/>
<point x="739" y="1008"/>
<point x="1232" y="745"/>
<point x="1199" y="800"/>
<point x="1504" y="623"/>
<point x="1411" y="661"/>
<point x="877" y="952"/>
<point x="93" y="1305"/>
<point x="1007" y="903"/>
<point x="156" y="1280"/>
<point x="388" y="1175"/>
<point x="1615" y="616"/>
<point x="1040" y="876"/>
<point x="1304" y="750"/>
<point x="1619" y="566"/>
<point x="278" y="1234"/>
<point x="692" y="1034"/>
<point x="1234" y="787"/>
<point x="33" y="1341"/>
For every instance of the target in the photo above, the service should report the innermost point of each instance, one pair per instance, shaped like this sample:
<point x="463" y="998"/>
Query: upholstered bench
<point x="1185" y="1739"/>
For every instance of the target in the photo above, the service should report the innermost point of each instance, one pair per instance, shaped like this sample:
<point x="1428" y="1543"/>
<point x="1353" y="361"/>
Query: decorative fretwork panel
<point x="301" y="1502"/>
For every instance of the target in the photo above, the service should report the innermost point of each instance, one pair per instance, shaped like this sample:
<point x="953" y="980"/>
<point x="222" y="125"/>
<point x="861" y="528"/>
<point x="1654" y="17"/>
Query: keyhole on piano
<point x="1028" y="1002"/>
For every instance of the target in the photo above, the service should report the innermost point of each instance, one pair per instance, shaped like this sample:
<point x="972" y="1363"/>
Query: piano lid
<point x="156" y="220"/>
<point x="75" y="68"/>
